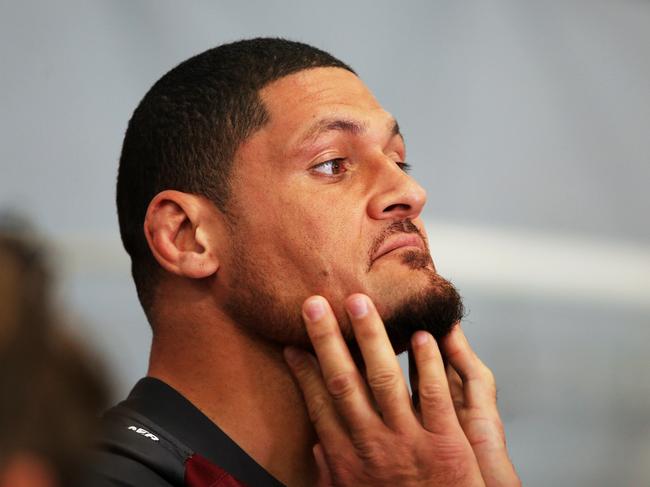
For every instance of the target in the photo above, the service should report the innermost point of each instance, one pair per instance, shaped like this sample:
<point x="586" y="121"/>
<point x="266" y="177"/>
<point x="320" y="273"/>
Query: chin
<point x="434" y="309"/>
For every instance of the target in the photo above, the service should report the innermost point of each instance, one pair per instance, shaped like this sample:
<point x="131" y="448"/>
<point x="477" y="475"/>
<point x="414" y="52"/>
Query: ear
<point x="178" y="229"/>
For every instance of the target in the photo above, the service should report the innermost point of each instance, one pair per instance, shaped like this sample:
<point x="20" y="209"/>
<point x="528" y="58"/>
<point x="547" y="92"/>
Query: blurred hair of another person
<point x="50" y="390"/>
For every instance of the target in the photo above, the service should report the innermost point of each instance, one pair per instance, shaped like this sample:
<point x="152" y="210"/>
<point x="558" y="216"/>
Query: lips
<point x="398" y="242"/>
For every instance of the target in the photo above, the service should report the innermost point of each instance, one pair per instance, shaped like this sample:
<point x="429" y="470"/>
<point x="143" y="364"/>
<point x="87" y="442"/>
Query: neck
<point x="243" y="385"/>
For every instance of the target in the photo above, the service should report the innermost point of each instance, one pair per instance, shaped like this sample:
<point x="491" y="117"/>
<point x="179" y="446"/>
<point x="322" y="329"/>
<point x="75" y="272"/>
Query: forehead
<point x="297" y="102"/>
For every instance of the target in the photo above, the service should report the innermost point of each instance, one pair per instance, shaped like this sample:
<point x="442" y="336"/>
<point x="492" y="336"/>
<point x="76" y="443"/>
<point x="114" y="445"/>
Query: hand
<point x="473" y="391"/>
<point x="368" y="430"/>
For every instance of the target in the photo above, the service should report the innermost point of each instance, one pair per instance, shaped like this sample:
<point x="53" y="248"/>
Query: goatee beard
<point x="434" y="310"/>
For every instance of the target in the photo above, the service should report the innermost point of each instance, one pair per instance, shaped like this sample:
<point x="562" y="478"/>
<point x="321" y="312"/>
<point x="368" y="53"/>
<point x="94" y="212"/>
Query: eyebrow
<point x="342" y="125"/>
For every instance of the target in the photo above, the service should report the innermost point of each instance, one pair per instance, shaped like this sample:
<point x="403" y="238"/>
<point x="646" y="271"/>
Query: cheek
<point x="315" y="243"/>
<point x="316" y="236"/>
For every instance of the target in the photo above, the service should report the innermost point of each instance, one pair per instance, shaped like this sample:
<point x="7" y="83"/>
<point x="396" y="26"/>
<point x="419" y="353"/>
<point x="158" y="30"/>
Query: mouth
<point x="402" y="241"/>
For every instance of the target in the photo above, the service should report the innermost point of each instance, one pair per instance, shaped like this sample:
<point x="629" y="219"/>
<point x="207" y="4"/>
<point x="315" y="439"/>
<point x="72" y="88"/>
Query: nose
<point x="397" y="196"/>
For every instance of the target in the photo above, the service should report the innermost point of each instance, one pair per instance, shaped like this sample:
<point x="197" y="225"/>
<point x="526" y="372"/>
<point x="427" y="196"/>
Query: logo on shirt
<point x="144" y="433"/>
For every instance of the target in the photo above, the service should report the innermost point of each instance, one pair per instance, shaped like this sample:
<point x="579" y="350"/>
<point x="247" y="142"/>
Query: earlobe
<point x="175" y="228"/>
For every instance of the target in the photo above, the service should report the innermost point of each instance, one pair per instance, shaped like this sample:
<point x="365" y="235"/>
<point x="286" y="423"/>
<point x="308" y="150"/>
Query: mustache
<point x="404" y="226"/>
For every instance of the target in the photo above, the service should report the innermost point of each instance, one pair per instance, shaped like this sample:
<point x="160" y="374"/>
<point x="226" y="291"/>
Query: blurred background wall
<point x="527" y="122"/>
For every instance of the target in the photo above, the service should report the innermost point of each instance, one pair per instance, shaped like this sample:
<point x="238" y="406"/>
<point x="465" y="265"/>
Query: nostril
<point x="397" y="206"/>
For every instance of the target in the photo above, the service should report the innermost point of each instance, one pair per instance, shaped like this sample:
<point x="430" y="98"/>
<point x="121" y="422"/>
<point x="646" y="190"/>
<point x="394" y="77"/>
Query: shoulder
<point x="133" y="451"/>
<point x="108" y="469"/>
<point x="157" y="438"/>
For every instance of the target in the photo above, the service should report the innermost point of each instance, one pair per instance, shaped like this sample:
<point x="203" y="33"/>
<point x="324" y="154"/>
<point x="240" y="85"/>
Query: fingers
<point x="478" y="381"/>
<point x="455" y="388"/>
<point x="343" y="413"/>
<point x="342" y="379"/>
<point x="460" y="354"/>
<point x="321" y="410"/>
<point x="324" y="475"/>
<point x="383" y="372"/>
<point x="436" y="408"/>
<point x="473" y="390"/>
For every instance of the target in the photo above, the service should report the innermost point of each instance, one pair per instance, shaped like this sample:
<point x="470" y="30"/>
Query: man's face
<point x="321" y="204"/>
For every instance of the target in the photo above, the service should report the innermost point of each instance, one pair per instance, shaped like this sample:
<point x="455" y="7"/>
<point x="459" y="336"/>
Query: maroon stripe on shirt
<point x="199" y="472"/>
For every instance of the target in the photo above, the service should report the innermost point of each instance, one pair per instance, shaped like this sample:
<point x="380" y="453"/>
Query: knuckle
<point x="431" y="392"/>
<point x="489" y="382"/>
<point x="366" y="330"/>
<point x="488" y="375"/>
<point x="487" y="432"/>
<point x="302" y="369"/>
<point x="321" y="333"/>
<point x="341" y="385"/>
<point x="433" y="396"/>
<point x="316" y="408"/>
<point x="383" y="380"/>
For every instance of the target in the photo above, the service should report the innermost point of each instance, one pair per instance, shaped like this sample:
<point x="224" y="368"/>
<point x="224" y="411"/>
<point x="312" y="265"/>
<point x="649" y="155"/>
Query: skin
<point x="369" y="431"/>
<point x="313" y="232"/>
<point x="313" y="192"/>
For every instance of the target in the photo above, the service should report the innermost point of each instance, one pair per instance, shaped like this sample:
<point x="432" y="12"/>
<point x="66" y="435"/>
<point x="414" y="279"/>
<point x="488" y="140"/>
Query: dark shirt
<point x="157" y="438"/>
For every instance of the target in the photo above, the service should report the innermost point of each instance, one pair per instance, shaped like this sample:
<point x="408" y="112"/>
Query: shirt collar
<point x="165" y="406"/>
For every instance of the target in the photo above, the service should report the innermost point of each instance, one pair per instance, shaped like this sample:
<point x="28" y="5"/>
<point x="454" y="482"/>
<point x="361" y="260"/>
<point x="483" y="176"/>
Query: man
<point x="264" y="199"/>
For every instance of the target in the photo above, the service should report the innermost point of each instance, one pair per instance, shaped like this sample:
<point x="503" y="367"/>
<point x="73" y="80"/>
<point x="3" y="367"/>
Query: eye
<point x="333" y="167"/>
<point x="404" y="166"/>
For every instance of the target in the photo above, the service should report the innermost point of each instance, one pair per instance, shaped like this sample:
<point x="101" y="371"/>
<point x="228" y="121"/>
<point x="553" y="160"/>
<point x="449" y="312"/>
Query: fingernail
<point x="420" y="338"/>
<point x="315" y="308"/>
<point x="358" y="306"/>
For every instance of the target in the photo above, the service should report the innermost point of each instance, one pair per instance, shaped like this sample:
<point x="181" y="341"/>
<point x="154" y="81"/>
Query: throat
<point x="247" y="390"/>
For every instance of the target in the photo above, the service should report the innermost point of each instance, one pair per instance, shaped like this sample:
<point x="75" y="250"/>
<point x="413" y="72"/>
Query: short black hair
<point x="184" y="133"/>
